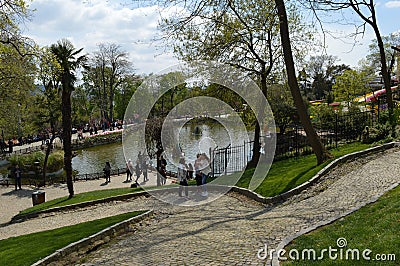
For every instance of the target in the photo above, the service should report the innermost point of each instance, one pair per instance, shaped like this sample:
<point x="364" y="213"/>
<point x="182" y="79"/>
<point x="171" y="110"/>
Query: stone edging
<point x="313" y="180"/>
<point x="92" y="242"/>
<point x="20" y="218"/>
<point x="246" y="192"/>
<point x="287" y="240"/>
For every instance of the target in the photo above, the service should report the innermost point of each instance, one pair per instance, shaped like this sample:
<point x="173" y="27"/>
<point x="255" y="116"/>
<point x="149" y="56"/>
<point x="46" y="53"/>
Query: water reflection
<point x="212" y="135"/>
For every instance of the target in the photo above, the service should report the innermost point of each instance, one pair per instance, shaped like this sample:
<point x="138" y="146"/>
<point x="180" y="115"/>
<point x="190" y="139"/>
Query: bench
<point x="5" y="181"/>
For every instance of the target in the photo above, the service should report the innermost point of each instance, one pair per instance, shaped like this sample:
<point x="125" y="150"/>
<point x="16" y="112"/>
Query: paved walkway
<point x="232" y="229"/>
<point x="13" y="201"/>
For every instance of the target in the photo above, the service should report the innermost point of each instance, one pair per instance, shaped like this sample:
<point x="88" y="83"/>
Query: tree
<point x="16" y="86"/>
<point x="350" y="85"/>
<point x="124" y="94"/>
<point x="322" y="70"/>
<point x="12" y="14"/>
<point x="106" y="73"/>
<point x="320" y="151"/>
<point x="17" y="68"/>
<point x="373" y="59"/>
<point x="241" y="33"/>
<point x="69" y="60"/>
<point x="282" y="105"/>
<point x="365" y="10"/>
<point x="48" y="112"/>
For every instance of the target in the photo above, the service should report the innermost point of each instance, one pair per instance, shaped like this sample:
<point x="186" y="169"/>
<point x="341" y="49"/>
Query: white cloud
<point x="90" y="23"/>
<point x="392" y="4"/>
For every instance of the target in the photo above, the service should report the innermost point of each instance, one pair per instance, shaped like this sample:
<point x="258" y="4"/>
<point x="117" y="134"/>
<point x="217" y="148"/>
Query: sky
<point x="88" y="23"/>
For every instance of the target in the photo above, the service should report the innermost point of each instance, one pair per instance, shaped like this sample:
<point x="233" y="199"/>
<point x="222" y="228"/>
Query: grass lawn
<point x="27" y="249"/>
<point x="287" y="174"/>
<point x="375" y="227"/>
<point x="82" y="197"/>
<point x="283" y="176"/>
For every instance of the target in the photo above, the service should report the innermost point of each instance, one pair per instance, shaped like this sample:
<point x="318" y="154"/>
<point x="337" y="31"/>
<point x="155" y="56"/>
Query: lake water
<point x="92" y="160"/>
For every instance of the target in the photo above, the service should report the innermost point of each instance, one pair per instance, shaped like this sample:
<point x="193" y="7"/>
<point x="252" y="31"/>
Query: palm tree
<point x="69" y="59"/>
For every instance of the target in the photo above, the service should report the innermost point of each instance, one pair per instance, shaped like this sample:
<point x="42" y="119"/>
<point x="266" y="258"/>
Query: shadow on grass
<point x="292" y="183"/>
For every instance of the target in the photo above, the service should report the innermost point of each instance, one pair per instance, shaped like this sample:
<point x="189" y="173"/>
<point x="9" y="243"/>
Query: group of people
<point x="141" y="167"/>
<point x="201" y="169"/>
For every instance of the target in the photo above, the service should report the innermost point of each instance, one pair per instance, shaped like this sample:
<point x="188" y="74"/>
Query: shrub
<point x="376" y="133"/>
<point x="27" y="161"/>
<point x="55" y="161"/>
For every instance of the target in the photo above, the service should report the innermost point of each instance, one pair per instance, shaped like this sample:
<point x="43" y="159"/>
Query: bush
<point x="376" y="133"/>
<point x="55" y="161"/>
<point x="27" y="161"/>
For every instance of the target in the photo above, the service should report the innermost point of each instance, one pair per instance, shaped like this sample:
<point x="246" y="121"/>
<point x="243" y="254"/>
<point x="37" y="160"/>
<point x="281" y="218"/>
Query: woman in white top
<point x="205" y="170"/>
<point x="182" y="177"/>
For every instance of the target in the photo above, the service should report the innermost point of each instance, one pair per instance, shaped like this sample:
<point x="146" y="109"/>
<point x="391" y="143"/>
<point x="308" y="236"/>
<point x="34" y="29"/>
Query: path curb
<point x="21" y="218"/>
<point x="94" y="241"/>
<point x="287" y="240"/>
<point x="244" y="191"/>
<point x="297" y="190"/>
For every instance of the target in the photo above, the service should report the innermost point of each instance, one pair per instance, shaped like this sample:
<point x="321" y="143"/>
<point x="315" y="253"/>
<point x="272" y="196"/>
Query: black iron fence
<point x="331" y="130"/>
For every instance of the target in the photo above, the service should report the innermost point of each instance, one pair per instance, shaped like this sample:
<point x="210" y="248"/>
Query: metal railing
<point x="293" y="143"/>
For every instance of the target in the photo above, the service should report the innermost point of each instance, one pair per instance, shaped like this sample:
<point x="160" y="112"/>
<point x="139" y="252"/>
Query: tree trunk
<point x="260" y="117"/>
<point x="385" y="73"/>
<point x="48" y="150"/>
<point x="321" y="153"/>
<point x="158" y="163"/>
<point x="111" y="105"/>
<point x="67" y="128"/>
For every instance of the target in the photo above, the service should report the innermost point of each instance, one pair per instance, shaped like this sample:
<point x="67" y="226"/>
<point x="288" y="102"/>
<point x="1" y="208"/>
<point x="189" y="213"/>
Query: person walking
<point x="144" y="169"/>
<point x="10" y="146"/>
<point x="190" y="171"/>
<point x="138" y="171"/>
<point x="18" y="176"/>
<point x="163" y="174"/>
<point x="107" y="172"/>
<point x="163" y="170"/>
<point x="205" y="170"/>
<point x="197" y="173"/>
<point x="129" y="170"/>
<point x="182" y="177"/>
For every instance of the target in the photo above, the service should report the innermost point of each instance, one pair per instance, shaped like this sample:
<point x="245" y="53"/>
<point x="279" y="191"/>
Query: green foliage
<point x="124" y="94"/>
<point x="287" y="174"/>
<point x="349" y="85"/>
<point x="383" y="131"/>
<point x="324" y="116"/>
<point x="27" y="161"/>
<point x="319" y="75"/>
<point x="55" y="161"/>
<point x="377" y="133"/>
<point x="373" y="59"/>
<point x="107" y="76"/>
<point x="81" y="197"/>
<point x="282" y="105"/>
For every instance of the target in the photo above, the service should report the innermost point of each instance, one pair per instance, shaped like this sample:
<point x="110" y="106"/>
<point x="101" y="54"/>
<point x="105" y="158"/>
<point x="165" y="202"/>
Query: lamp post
<point x="19" y="120"/>
<point x="37" y="171"/>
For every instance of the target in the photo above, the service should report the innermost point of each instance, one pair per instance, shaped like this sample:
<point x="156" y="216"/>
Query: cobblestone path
<point x="232" y="229"/>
